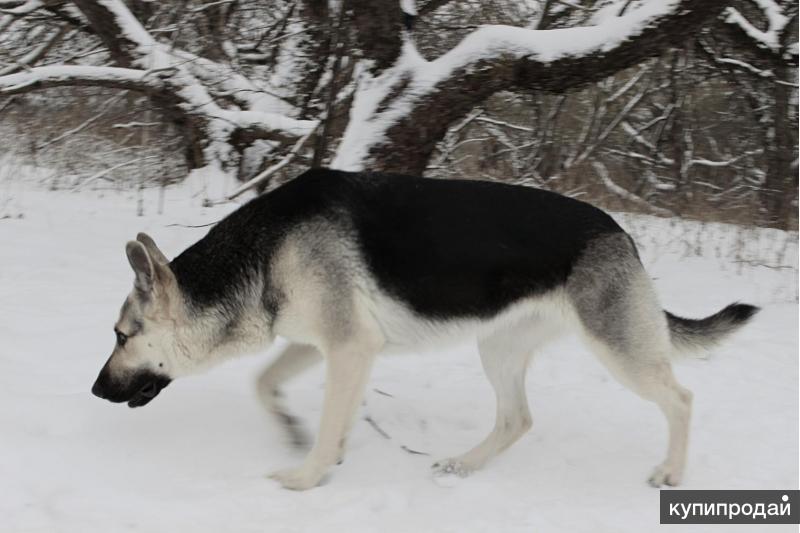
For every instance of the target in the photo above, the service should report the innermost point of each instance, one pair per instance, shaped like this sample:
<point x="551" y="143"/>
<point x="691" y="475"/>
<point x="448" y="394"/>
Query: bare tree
<point x="611" y="92"/>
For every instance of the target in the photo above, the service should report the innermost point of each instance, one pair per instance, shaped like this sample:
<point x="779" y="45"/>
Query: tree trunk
<point x="780" y="184"/>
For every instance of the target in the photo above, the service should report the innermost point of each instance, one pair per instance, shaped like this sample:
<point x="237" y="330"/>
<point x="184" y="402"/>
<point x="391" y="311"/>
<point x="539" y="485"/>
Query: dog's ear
<point x="142" y="266"/>
<point x="155" y="254"/>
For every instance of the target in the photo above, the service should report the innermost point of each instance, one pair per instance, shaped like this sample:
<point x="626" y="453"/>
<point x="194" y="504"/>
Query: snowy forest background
<point x="673" y="107"/>
<point x="678" y="116"/>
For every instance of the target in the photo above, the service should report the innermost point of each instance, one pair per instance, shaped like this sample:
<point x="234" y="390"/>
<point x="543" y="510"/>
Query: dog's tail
<point x="692" y="334"/>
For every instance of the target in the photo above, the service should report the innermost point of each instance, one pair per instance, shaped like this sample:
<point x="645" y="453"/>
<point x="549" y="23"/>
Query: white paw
<point x="665" y="475"/>
<point x="452" y="467"/>
<point x="297" y="478"/>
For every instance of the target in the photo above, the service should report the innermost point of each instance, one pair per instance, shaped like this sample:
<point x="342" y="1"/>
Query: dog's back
<point x="446" y="248"/>
<point x="459" y="248"/>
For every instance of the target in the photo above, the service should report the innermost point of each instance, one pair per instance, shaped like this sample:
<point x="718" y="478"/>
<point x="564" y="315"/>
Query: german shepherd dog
<point x="347" y="265"/>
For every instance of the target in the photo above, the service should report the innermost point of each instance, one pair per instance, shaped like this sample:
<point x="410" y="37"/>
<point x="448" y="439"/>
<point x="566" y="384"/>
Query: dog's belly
<point x="405" y="330"/>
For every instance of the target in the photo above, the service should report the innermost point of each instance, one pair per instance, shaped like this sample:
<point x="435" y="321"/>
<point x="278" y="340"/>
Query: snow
<point x="769" y="40"/>
<point x="776" y="18"/>
<point x="196" y="458"/>
<point x="548" y="45"/>
<point x="609" y="10"/>
<point x="745" y="65"/>
<point x="262" y="119"/>
<point x="227" y="79"/>
<point x="27" y="7"/>
<point x="35" y="53"/>
<point x="131" y="28"/>
<point x="365" y="127"/>
<point x="776" y="22"/>
<point x="605" y="179"/>
<point x="63" y="73"/>
<point x="185" y="73"/>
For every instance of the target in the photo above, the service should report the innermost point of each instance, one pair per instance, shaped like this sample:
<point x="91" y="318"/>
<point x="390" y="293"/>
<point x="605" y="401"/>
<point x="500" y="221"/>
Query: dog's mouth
<point x="136" y="390"/>
<point x="144" y="395"/>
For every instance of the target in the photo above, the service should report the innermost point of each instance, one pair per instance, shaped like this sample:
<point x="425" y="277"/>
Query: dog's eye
<point x="121" y="338"/>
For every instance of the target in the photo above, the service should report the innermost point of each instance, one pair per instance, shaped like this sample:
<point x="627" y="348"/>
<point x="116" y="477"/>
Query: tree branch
<point x="124" y="36"/>
<point x="266" y="174"/>
<point x="216" y="132"/>
<point x="423" y="98"/>
<point x="22" y="9"/>
<point x="75" y="75"/>
<point x="29" y="59"/>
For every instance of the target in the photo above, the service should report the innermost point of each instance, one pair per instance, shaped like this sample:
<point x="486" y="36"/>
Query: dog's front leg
<point x="346" y="377"/>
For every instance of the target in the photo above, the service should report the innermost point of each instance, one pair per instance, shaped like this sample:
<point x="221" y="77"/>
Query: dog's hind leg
<point x="651" y="378"/>
<point x="505" y="355"/>
<point x="293" y="360"/>
<point x="625" y="326"/>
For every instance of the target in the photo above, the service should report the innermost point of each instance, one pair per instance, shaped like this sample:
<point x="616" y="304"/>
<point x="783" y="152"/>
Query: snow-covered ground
<point x="196" y="458"/>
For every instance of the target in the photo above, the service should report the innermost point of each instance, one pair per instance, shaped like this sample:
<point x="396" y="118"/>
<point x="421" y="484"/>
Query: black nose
<point x="107" y="387"/>
<point x="98" y="389"/>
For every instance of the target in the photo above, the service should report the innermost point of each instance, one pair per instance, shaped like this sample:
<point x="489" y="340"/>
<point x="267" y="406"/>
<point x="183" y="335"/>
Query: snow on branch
<point x="22" y="8"/>
<point x="193" y="87"/>
<point x="723" y="163"/>
<point x="36" y="53"/>
<point x="737" y="63"/>
<point x="192" y="99"/>
<point x="265" y="125"/>
<point x="776" y="22"/>
<point x="131" y="28"/>
<point x="415" y="94"/>
<point x="267" y="173"/>
<point x="231" y="83"/>
<point x="75" y="75"/>
<point x="499" y="41"/>
<point x="505" y="43"/>
<point x="602" y="173"/>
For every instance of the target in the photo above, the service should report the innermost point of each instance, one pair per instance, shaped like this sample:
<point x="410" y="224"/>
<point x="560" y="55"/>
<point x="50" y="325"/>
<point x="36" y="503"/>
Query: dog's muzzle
<point x="137" y="388"/>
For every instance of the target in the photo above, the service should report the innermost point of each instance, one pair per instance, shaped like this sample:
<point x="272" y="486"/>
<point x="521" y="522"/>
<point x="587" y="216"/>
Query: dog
<point x="348" y="265"/>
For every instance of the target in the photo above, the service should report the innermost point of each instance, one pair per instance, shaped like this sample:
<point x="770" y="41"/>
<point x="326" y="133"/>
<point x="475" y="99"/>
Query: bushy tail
<point x="689" y="334"/>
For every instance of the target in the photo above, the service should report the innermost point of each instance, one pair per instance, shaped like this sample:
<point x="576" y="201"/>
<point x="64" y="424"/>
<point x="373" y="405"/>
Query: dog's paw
<point x="451" y="467"/>
<point x="297" y="478"/>
<point x="664" y="475"/>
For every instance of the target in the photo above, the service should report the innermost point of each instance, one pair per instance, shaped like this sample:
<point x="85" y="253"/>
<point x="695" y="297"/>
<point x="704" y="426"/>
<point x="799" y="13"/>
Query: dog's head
<point x="149" y="350"/>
